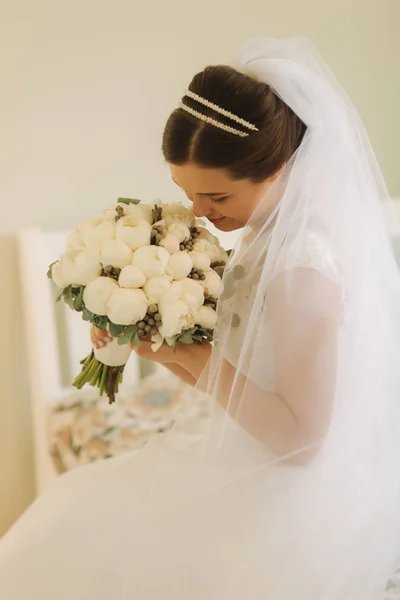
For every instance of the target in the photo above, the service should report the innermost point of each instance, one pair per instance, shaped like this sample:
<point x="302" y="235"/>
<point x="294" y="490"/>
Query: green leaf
<point x="50" y="269"/>
<point x="87" y="315"/>
<point x="116" y="330"/>
<point x="205" y="333"/>
<point x="128" y="201"/>
<point x="229" y="252"/>
<point x="198" y="338"/>
<point x="68" y="297"/>
<point x="185" y="338"/>
<point x="78" y="301"/>
<point x="59" y="297"/>
<point x="135" y="340"/>
<point x="219" y="271"/>
<point x="100" y="322"/>
<point x="128" y="333"/>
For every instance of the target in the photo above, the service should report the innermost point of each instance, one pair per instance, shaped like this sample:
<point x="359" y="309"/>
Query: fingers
<point x="99" y="338"/>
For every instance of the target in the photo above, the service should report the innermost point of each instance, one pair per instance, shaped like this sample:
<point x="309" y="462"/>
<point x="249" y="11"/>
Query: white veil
<point x="293" y="488"/>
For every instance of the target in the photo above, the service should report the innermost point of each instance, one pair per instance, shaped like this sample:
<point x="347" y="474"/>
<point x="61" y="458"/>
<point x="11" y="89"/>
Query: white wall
<point x="86" y="87"/>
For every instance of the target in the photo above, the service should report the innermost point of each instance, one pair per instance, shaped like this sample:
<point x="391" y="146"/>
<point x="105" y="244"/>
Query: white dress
<point x="140" y="526"/>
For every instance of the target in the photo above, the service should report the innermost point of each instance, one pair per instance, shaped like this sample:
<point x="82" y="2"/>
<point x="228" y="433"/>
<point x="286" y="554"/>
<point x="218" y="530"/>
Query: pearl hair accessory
<point x="221" y="111"/>
<point x="211" y="121"/>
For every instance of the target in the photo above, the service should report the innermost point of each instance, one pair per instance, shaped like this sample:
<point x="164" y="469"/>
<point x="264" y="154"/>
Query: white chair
<point x="56" y="340"/>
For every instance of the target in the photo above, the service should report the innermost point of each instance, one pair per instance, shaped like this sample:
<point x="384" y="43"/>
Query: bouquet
<point x="141" y="272"/>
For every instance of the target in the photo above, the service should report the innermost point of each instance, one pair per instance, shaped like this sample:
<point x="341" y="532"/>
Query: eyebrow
<point x="204" y="193"/>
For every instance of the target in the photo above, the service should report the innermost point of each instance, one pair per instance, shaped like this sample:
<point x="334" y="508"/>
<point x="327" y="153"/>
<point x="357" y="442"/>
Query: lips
<point x="217" y="221"/>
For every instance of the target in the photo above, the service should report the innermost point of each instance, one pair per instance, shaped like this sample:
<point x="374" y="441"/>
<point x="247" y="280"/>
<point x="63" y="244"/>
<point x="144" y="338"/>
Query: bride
<point x="291" y="489"/>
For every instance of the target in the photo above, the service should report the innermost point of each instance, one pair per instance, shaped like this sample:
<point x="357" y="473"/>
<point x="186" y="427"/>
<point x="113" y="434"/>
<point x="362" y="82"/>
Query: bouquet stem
<point x="96" y="374"/>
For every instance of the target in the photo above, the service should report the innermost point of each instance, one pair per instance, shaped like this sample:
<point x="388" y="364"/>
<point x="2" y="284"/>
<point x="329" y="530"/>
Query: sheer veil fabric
<point x="231" y="509"/>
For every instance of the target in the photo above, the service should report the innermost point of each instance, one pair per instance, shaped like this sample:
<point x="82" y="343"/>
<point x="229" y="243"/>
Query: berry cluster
<point x="120" y="213"/>
<point x="110" y="271"/>
<point x="188" y="244"/>
<point x="156" y="235"/>
<point x="151" y="322"/>
<point x="197" y="274"/>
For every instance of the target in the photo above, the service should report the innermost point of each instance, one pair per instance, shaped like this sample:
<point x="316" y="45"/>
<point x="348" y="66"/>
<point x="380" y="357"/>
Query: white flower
<point x="140" y="211"/>
<point x="100" y="232"/>
<point x="157" y="287"/>
<point x="58" y="275"/>
<point x="177" y="212"/>
<point x="180" y="231"/>
<point x="97" y="294"/>
<point x="213" y="283"/>
<point x="192" y="293"/>
<point x="133" y="231"/>
<point x="170" y="243"/>
<point x="206" y="317"/>
<point x="206" y="247"/>
<point x="127" y="307"/>
<point x="115" y="253"/>
<point x="204" y="234"/>
<point x="158" y="341"/>
<point x="175" y="317"/>
<point x="75" y="241"/>
<point x="152" y="260"/>
<point x="200" y="260"/>
<point x="179" y="265"/>
<point x="76" y="268"/>
<point x="173" y="295"/>
<point x="131" y="277"/>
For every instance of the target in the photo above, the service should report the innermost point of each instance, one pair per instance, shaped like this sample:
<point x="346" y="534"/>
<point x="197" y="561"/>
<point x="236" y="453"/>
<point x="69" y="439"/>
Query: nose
<point x="201" y="206"/>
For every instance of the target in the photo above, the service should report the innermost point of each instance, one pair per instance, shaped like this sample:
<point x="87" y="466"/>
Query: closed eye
<point x="218" y="200"/>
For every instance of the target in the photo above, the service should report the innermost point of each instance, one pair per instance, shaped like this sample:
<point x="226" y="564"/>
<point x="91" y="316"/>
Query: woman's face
<point x="228" y="203"/>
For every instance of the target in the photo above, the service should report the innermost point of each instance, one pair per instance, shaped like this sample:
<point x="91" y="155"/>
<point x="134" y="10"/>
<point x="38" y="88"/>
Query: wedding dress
<point x="214" y="512"/>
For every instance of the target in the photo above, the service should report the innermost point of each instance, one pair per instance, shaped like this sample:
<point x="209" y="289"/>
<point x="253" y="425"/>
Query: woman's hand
<point x="99" y="337"/>
<point x="187" y="361"/>
<point x="189" y="358"/>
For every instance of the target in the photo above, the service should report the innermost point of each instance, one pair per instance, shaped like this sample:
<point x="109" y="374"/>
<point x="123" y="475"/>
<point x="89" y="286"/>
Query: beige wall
<point x="86" y="86"/>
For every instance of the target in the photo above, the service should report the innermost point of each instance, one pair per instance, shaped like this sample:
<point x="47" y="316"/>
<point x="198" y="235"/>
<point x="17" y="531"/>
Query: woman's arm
<point x="305" y="317"/>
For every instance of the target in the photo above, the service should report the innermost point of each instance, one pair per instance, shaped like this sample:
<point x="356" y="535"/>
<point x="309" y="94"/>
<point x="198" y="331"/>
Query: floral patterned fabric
<point x="85" y="428"/>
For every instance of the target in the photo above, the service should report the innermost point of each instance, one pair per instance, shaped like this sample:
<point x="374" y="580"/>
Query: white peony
<point x="115" y="253"/>
<point x="75" y="241"/>
<point x="175" y="317"/>
<point x="179" y="265"/>
<point x="180" y="231"/>
<point x="177" y="212"/>
<point x="200" y="260"/>
<point x="192" y="293"/>
<point x="204" y="234"/>
<point x="152" y="260"/>
<point x="127" y="307"/>
<point x="213" y="283"/>
<point x="76" y="268"/>
<point x="97" y="294"/>
<point x="170" y="243"/>
<point x="131" y="277"/>
<point x="139" y="211"/>
<point x="58" y="275"/>
<point x="99" y="233"/>
<point x="173" y="294"/>
<point x="206" y="317"/>
<point x="206" y="247"/>
<point x="133" y="231"/>
<point x="157" y="287"/>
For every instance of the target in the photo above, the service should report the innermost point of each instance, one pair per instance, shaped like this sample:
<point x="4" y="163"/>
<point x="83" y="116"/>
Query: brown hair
<point x="257" y="156"/>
